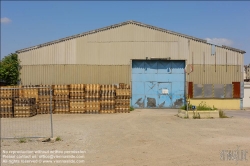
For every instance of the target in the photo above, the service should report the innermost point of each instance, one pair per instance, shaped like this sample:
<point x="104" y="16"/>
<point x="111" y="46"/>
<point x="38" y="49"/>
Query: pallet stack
<point x="6" y="108"/>
<point x="24" y="107"/>
<point x="77" y="98"/>
<point x="29" y="92"/>
<point x="107" y="99"/>
<point x="61" y="99"/>
<point x="122" y="101"/>
<point x="92" y="96"/>
<point x="6" y="103"/>
<point x="7" y="94"/>
<point x="44" y="100"/>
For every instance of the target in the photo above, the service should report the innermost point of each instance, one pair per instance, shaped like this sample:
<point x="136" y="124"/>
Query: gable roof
<point x="121" y="24"/>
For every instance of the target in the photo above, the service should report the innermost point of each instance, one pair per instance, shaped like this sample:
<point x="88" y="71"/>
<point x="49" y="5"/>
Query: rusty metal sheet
<point x="208" y="90"/>
<point x="198" y="91"/>
<point x="219" y="90"/>
<point x="190" y="90"/>
<point x="229" y="91"/>
<point x="236" y="87"/>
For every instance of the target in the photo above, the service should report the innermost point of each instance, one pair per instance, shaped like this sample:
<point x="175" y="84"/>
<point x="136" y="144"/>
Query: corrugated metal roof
<point x="121" y="24"/>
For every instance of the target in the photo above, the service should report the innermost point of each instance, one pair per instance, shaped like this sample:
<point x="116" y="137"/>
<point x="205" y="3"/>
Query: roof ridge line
<point x="121" y="24"/>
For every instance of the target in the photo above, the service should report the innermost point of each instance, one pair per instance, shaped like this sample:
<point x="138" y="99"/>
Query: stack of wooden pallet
<point x="24" y="107"/>
<point x="92" y="96"/>
<point x="44" y="100"/>
<point x="6" y="96"/>
<point x="29" y="92"/>
<point x="122" y="101"/>
<point x="6" y="108"/>
<point x="107" y="99"/>
<point x="6" y="103"/>
<point x="61" y="99"/>
<point x="77" y="98"/>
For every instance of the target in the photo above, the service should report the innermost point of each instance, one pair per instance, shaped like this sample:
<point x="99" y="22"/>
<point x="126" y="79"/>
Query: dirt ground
<point x="143" y="138"/>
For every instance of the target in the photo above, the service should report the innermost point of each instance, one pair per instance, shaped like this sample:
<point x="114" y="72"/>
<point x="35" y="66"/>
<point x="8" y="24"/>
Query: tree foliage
<point x="9" y="69"/>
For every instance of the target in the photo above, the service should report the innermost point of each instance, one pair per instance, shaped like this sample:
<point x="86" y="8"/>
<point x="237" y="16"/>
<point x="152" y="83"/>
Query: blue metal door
<point x="157" y="84"/>
<point x="165" y="99"/>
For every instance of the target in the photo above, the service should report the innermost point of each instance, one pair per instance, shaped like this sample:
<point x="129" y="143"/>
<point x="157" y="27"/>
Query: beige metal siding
<point x="107" y="74"/>
<point x="206" y="74"/>
<point x="70" y="74"/>
<point x="200" y="53"/>
<point x="59" y="53"/>
<point x="119" y="45"/>
<point x="229" y="57"/>
<point x="105" y="56"/>
<point x="116" y="46"/>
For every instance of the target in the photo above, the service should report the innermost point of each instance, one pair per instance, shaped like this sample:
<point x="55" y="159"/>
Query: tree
<point x="9" y="69"/>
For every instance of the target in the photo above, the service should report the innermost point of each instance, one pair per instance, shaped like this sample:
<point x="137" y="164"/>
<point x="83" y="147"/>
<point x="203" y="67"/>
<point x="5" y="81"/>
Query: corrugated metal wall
<point x="59" y="53"/>
<point x="200" y="53"/>
<point x="75" y="74"/>
<point x="111" y="47"/>
<point x="209" y="74"/>
<point x="117" y="46"/>
<point x="106" y="74"/>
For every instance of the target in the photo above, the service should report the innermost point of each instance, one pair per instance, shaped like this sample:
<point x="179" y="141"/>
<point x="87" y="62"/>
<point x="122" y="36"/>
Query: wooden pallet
<point x="77" y="110"/>
<point x="43" y="111"/>
<point x="107" y="111"/>
<point x="4" y="114"/>
<point x="92" y="111"/>
<point x="118" y="110"/>
<point x="61" y="111"/>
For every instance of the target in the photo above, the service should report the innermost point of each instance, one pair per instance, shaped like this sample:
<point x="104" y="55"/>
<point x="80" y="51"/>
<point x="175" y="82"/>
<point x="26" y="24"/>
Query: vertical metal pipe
<point x="51" y="121"/>
<point x="215" y="61"/>
<point x="204" y="61"/>
<point x="187" y="104"/>
<point x="226" y="61"/>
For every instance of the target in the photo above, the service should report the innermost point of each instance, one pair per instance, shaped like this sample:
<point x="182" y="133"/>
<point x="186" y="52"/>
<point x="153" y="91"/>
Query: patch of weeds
<point x="186" y="116"/>
<point x="184" y="107"/>
<point x="203" y="107"/>
<point x="22" y="140"/>
<point x="196" y="115"/>
<point x="58" y="138"/>
<point x="132" y="109"/>
<point x="222" y="114"/>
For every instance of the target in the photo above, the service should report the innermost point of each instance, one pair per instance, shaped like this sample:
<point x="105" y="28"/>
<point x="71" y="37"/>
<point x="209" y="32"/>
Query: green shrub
<point x="9" y="69"/>
<point x="196" y="116"/>
<point x="222" y="114"/>
<point x="203" y="106"/>
<point x="22" y="140"/>
<point x="58" y="138"/>
<point x="184" y="107"/>
<point x="132" y="109"/>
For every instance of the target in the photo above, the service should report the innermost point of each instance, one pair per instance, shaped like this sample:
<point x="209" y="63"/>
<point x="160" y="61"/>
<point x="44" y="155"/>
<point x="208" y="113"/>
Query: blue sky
<point x="25" y="24"/>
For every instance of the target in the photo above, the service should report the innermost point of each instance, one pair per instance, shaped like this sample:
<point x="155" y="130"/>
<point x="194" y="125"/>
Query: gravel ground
<point x="143" y="138"/>
<point x="238" y="113"/>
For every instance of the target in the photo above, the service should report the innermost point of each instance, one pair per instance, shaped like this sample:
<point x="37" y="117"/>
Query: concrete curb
<point x="203" y="114"/>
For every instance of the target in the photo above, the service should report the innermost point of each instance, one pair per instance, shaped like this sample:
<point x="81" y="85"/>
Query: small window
<point x="212" y="49"/>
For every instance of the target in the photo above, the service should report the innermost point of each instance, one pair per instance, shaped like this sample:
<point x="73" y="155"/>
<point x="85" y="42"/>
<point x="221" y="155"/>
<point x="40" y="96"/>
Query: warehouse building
<point x="163" y="67"/>
<point x="247" y="73"/>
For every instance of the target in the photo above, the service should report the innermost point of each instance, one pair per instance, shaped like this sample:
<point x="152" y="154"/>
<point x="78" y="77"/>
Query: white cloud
<point x="5" y="20"/>
<point x="220" y="41"/>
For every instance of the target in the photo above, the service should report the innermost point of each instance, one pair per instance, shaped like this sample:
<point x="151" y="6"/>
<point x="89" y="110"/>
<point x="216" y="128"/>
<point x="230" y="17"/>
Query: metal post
<point x="187" y="95"/>
<point x="51" y="121"/>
